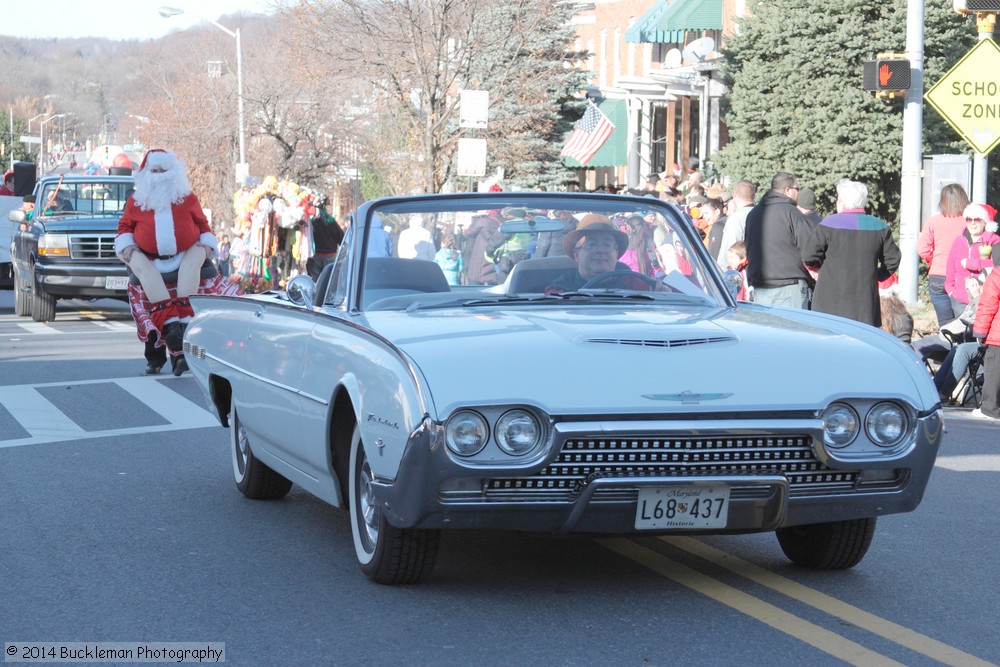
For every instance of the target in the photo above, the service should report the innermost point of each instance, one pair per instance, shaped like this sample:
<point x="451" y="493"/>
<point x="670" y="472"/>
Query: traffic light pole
<point x="985" y="23"/>
<point x="913" y="127"/>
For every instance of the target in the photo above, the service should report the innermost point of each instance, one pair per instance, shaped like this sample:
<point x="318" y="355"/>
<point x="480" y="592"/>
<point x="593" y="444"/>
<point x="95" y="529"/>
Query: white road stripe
<point x="46" y="423"/>
<point x="166" y="402"/>
<point x="114" y="326"/>
<point x="37" y="415"/>
<point x="39" y="328"/>
<point x="970" y="463"/>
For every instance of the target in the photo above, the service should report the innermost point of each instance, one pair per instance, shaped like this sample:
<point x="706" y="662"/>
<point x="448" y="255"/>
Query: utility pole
<point x="913" y="128"/>
<point x="985" y="24"/>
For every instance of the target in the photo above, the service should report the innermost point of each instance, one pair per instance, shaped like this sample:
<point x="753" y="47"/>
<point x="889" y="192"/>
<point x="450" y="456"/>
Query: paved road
<point x="119" y="521"/>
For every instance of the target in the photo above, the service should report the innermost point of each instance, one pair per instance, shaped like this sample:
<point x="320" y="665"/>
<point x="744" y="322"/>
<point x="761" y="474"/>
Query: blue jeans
<point x="795" y="295"/>
<point x="940" y="300"/>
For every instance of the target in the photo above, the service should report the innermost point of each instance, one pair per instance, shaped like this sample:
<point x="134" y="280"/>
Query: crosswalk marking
<point x="39" y="328"/>
<point x="37" y="415"/>
<point x="46" y="423"/>
<point x="114" y="326"/>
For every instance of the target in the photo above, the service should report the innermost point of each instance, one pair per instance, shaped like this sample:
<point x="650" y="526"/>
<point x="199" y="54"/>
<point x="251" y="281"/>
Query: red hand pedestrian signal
<point x="887" y="75"/>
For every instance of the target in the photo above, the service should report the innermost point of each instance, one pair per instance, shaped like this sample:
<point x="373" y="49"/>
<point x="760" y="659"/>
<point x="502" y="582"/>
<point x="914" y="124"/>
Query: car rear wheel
<point x="387" y="555"/>
<point x="254" y="479"/>
<point x="22" y="297"/>
<point x="43" y="305"/>
<point x="837" y="545"/>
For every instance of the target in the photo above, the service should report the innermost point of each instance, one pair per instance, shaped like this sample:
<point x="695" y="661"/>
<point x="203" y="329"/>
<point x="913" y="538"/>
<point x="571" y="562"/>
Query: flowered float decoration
<point x="272" y="233"/>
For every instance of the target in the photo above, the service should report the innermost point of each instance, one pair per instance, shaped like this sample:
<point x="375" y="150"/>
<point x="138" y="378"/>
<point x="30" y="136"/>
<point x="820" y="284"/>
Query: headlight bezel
<point x="498" y="450"/>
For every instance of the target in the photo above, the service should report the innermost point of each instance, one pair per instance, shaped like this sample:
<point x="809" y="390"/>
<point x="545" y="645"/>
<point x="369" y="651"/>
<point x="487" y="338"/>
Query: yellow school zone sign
<point x="968" y="96"/>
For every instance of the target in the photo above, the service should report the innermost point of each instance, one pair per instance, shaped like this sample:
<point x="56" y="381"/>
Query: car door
<point x="276" y="342"/>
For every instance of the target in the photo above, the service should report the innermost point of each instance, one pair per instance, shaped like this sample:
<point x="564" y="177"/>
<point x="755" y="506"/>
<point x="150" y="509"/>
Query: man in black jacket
<point x="776" y="232"/>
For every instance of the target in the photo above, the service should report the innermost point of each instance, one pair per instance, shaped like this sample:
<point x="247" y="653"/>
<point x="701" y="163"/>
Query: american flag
<point x="589" y="134"/>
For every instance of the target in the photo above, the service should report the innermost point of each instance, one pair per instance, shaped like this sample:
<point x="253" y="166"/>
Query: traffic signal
<point x="887" y="75"/>
<point x="972" y="6"/>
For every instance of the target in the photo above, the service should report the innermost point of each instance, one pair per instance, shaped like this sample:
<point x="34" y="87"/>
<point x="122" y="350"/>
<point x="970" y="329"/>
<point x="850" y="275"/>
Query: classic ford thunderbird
<point x="562" y="377"/>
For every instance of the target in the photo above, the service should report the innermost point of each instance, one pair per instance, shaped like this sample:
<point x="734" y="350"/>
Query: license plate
<point x="692" y="507"/>
<point x="116" y="282"/>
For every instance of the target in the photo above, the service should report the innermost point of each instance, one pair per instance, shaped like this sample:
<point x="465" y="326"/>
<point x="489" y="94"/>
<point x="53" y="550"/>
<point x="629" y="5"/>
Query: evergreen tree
<point x="797" y="105"/>
<point x="532" y="101"/>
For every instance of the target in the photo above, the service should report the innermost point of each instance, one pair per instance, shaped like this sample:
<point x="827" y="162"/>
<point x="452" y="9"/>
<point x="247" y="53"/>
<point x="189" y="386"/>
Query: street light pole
<point x="243" y="168"/>
<point x="41" y="146"/>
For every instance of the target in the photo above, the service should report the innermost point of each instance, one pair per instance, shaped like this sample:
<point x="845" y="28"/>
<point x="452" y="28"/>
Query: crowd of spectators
<point x="789" y="254"/>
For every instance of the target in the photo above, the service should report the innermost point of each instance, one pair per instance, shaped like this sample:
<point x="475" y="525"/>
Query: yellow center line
<point x="903" y="636"/>
<point x="829" y="642"/>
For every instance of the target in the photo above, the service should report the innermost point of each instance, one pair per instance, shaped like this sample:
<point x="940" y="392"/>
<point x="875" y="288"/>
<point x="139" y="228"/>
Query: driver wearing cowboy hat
<point x="595" y="245"/>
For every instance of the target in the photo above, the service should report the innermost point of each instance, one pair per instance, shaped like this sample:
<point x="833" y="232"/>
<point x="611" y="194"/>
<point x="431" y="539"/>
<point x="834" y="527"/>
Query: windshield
<point x="472" y="251"/>
<point x="91" y="198"/>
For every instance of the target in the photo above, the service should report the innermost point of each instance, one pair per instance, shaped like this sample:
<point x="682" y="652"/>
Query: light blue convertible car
<point x="563" y="398"/>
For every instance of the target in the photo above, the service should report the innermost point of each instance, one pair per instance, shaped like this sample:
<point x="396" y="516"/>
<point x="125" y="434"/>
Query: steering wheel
<point x="603" y="277"/>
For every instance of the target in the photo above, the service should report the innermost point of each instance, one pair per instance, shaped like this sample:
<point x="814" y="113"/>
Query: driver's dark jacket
<point x="572" y="281"/>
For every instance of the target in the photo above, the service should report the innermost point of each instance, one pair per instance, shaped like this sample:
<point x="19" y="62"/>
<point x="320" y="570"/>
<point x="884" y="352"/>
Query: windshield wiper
<point x="602" y="294"/>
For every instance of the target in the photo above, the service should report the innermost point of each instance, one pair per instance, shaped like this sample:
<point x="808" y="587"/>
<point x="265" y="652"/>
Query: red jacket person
<point x="164" y="229"/>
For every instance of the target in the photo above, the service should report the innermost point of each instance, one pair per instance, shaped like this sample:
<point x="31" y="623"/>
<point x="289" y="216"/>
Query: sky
<point x="114" y="19"/>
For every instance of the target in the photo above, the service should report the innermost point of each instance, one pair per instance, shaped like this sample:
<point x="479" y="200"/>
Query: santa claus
<point x="163" y="230"/>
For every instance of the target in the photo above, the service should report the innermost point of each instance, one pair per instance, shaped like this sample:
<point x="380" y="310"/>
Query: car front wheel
<point x="254" y="479"/>
<point x="837" y="545"/>
<point x="43" y="305"/>
<point x="387" y="555"/>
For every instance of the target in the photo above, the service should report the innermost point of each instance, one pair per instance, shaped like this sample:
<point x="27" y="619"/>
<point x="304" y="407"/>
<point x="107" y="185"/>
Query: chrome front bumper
<point x="782" y="478"/>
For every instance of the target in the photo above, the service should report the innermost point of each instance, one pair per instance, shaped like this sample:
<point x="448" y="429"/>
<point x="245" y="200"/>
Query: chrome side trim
<point x="278" y="385"/>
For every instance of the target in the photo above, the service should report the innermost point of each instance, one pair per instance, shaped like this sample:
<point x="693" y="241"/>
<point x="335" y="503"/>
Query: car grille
<point x="584" y="459"/>
<point x="92" y="246"/>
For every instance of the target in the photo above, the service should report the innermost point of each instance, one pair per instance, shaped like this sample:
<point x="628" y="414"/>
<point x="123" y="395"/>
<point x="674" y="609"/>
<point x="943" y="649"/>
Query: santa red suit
<point x="164" y="234"/>
<point x="164" y="222"/>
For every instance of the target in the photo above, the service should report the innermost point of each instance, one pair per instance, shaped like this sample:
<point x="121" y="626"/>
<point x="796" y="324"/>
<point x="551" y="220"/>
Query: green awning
<point x="614" y="151"/>
<point x="666" y="23"/>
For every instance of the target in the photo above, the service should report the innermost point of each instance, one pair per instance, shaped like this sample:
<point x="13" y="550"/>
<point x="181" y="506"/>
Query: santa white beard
<point x="158" y="190"/>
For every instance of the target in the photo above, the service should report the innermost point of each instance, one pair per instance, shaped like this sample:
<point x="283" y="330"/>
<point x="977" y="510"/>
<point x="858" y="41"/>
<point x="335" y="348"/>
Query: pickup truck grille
<point x="92" y="246"/>
<point x="584" y="459"/>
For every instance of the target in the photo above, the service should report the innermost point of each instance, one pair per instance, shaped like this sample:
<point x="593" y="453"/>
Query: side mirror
<point x="301" y="290"/>
<point x="734" y="281"/>
<point x="17" y="216"/>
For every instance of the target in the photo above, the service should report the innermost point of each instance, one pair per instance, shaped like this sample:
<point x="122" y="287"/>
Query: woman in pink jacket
<point x="986" y="328"/>
<point x="935" y="243"/>
<point x="971" y="252"/>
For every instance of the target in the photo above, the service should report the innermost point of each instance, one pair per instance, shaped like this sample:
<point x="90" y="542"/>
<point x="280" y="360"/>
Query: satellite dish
<point x="698" y="50"/>
<point x="673" y="59"/>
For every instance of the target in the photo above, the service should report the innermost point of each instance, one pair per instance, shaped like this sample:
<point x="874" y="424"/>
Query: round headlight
<point x="518" y="432"/>
<point x="840" y="425"/>
<point x="466" y="433"/>
<point x="886" y="424"/>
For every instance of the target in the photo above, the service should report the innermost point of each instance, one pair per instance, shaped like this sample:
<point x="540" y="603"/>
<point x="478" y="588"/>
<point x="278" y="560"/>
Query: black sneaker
<point x="152" y="369"/>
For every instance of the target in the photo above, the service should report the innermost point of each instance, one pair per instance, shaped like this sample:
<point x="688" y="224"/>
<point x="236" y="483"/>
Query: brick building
<point x="655" y="75"/>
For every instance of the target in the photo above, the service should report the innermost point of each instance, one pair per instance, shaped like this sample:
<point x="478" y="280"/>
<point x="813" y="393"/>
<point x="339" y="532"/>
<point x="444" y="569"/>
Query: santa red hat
<point x="159" y="156"/>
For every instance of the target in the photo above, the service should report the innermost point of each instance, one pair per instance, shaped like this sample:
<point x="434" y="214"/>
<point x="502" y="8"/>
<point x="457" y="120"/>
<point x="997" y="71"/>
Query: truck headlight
<point x="53" y="244"/>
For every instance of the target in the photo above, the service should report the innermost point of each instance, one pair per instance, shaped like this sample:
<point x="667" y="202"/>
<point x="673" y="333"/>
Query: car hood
<point x="599" y="360"/>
